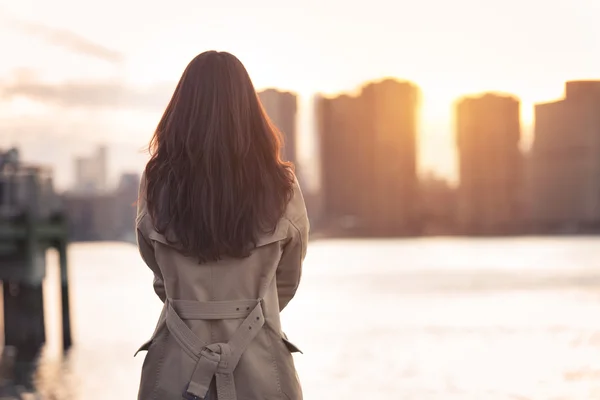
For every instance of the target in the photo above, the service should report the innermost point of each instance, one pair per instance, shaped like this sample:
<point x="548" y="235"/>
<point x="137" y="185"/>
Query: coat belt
<point x="217" y="360"/>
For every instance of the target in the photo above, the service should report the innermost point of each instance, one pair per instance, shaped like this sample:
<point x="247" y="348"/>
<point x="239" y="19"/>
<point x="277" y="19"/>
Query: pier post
<point x="24" y="323"/>
<point x="24" y="319"/>
<point x="31" y="221"/>
<point x="64" y="291"/>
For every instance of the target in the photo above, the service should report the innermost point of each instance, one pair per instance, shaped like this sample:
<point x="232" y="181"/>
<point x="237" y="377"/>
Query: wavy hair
<point x="215" y="180"/>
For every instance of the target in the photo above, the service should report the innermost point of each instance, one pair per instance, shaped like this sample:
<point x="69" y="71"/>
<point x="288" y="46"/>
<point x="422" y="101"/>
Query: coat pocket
<point x="289" y="383"/>
<point x="292" y="348"/>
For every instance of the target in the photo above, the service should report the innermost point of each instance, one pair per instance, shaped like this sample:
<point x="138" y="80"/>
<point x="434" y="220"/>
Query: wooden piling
<point x="24" y="319"/>
<point x="30" y="224"/>
<point x="64" y="291"/>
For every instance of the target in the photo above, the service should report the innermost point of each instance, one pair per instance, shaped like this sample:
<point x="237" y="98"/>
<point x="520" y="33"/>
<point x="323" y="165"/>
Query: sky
<point x="77" y="73"/>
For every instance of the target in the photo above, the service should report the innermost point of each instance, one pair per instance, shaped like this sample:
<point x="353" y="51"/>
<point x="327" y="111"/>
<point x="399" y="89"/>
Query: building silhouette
<point x="437" y="205"/>
<point x="490" y="193"/>
<point x="91" y="172"/>
<point x="95" y="211"/>
<point x="368" y="147"/>
<point x="564" y="162"/>
<point x="281" y="107"/>
<point x="92" y="216"/>
<point x="108" y="215"/>
<point x="126" y="196"/>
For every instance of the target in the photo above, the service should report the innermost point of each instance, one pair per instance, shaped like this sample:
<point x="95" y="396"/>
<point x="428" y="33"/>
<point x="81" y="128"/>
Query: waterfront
<point x="433" y="318"/>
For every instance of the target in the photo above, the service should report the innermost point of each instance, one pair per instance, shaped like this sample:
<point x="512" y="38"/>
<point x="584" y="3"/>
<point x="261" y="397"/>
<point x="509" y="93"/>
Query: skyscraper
<point x="281" y="107"/>
<point x="368" y="159"/>
<point x="91" y="172"/>
<point x="564" y="164"/>
<point x="488" y="133"/>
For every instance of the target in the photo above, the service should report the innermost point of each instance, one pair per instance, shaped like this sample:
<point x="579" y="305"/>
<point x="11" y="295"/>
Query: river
<point x="434" y="318"/>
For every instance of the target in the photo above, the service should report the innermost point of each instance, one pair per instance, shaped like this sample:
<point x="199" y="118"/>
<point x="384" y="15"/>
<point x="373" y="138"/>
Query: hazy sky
<point x="91" y="70"/>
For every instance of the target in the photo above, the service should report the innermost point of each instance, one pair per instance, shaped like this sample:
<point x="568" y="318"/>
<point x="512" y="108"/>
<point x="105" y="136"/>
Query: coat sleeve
<point x="147" y="253"/>
<point x="145" y="245"/>
<point x="289" y="269"/>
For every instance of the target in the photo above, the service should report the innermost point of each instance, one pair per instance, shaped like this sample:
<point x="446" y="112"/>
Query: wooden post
<point x="24" y="319"/>
<point x="24" y="323"/>
<point x="24" y="329"/>
<point x="64" y="290"/>
<point x="29" y="225"/>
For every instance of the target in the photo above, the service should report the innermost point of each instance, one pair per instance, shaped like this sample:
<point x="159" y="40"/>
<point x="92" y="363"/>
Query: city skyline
<point x="115" y="78"/>
<point x="290" y="123"/>
<point x="371" y="186"/>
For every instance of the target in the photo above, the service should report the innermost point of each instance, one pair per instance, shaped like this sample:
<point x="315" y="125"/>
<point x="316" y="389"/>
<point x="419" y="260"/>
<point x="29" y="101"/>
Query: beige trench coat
<point x="219" y="335"/>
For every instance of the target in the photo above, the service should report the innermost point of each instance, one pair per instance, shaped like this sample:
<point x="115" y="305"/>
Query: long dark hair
<point x="215" y="180"/>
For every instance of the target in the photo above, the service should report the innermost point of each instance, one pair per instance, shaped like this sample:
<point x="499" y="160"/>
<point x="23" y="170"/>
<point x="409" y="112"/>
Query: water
<point x="399" y="319"/>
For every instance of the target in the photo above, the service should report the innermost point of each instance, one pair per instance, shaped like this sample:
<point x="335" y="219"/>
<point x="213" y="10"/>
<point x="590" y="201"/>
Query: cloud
<point x="88" y="95"/>
<point x="71" y="41"/>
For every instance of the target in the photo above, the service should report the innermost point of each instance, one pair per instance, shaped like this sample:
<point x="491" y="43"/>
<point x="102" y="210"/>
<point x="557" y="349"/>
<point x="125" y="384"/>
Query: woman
<point x="222" y="225"/>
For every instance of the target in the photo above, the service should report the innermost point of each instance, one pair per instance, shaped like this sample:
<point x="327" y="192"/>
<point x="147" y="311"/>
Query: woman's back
<point x="222" y="224"/>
